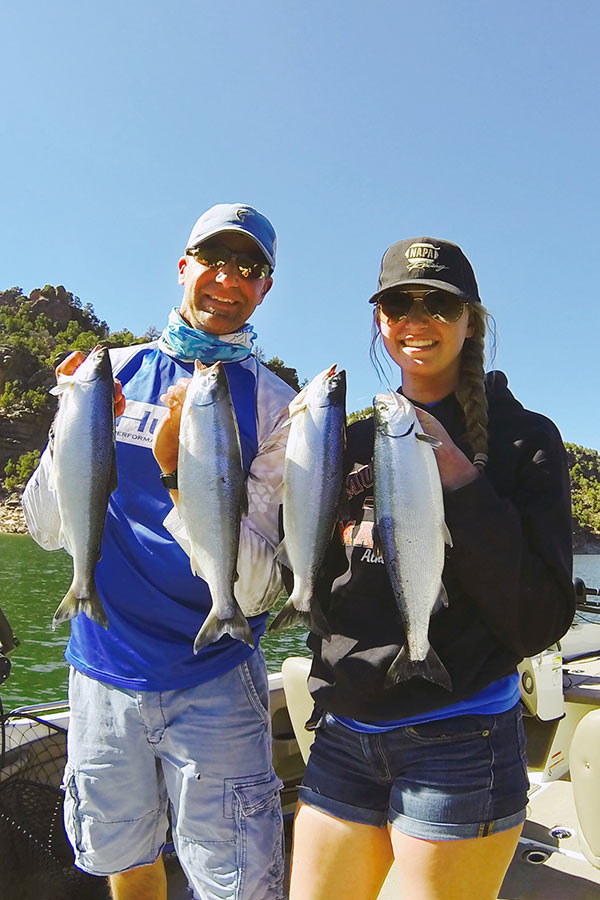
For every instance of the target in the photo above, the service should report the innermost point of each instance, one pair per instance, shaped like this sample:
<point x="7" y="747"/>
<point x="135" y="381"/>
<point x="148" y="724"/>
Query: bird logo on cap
<point x="243" y="213"/>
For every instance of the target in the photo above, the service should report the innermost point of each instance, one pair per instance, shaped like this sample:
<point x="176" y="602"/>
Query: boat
<point x="558" y="855"/>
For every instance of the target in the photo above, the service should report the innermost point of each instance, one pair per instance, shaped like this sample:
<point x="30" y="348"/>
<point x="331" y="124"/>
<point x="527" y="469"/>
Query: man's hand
<point x="73" y="361"/>
<point x="455" y="469"/>
<point x="166" y="436"/>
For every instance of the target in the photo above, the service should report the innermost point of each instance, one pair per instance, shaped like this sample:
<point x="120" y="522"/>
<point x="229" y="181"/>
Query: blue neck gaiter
<point x="186" y="344"/>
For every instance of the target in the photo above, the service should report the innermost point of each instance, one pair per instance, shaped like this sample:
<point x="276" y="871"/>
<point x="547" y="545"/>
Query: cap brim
<point x="417" y="283"/>
<point x="233" y="228"/>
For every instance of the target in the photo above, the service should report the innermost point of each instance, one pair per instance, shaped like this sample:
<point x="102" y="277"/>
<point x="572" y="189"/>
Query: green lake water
<point x="33" y="582"/>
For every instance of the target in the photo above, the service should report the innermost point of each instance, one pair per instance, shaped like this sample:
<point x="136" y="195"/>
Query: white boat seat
<point x="584" y="760"/>
<point x="295" y="671"/>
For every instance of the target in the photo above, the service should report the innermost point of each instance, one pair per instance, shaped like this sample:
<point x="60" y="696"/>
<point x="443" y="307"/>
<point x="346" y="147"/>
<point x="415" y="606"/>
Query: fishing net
<point x="36" y="860"/>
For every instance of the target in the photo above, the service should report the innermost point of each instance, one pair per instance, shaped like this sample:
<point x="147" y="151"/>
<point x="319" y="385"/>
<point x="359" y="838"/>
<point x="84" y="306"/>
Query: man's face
<point x="220" y="301"/>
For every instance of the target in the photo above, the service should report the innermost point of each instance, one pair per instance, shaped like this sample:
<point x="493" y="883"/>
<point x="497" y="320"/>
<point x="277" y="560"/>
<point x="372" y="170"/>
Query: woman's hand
<point x="455" y="469"/>
<point x="166" y="436"/>
<point x="73" y="361"/>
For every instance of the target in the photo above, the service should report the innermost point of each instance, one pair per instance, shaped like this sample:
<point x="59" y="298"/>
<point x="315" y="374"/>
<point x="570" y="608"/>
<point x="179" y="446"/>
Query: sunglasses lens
<point x="212" y="257"/>
<point x="250" y="267"/>
<point x="396" y="305"/>
<point x="444" y="307"/>
<point x="216" y="257"/>
<point x="439" y="305"/>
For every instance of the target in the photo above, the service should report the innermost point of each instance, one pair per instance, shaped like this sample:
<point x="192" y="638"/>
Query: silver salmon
<point x="84" y="473"/>
<point x="211" y="482"/>
<point x="312" y="486"/>
<point x="412" y="533"/>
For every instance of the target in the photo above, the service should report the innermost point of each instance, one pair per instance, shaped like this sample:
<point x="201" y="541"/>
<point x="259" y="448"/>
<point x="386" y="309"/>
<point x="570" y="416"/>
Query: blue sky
<point x="351" y="126"/>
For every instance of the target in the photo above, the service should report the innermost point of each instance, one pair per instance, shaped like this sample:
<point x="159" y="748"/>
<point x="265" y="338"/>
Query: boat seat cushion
<point x="585" y="777"/>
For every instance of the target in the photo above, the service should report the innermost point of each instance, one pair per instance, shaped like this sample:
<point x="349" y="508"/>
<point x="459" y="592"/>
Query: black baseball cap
<point x="429" y="263"/>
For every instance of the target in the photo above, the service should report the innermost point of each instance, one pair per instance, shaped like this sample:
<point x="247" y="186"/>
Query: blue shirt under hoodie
<point x="154" y="603"/>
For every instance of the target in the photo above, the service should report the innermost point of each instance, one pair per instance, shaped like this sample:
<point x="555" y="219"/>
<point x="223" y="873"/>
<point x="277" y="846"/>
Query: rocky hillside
<point x="38" y="330"/>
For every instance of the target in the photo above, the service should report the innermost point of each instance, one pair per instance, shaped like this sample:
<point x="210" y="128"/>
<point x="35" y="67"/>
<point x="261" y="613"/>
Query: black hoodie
<point x="508" y="575"/>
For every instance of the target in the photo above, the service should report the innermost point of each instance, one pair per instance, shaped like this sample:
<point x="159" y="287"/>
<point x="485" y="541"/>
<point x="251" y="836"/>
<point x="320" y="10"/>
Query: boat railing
<point x="584" y="595"/>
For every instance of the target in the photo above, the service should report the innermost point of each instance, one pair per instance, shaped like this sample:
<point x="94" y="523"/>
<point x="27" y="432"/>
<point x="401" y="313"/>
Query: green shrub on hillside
<point x="18" y="473"/>
<point x="15" y="399"/>
<point x="584" y="468"/>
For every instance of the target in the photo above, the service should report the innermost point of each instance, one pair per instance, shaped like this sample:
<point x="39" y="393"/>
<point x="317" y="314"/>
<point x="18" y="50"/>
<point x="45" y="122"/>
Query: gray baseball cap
<point x="235" y="217"/>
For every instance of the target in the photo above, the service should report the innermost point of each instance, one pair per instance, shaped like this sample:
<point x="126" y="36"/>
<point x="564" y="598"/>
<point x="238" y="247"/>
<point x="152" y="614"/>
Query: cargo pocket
<point x="256" y="809"/>
<point x="230" y="835"/>
<point x="102" y="845"/>
<point x="72" y="812"/>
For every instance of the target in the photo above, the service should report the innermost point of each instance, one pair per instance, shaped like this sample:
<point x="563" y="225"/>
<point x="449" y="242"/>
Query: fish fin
<point x="196" y="570"/>
<point x="85" y="602"/>
<point x="431" y="669"/>
<point x="64" y="542"/>
<point x="297" y="405"/>
<point x="313" y="620"/>
<point x="64" y="381"/>
<point x="214" y="628"/>
<point x="428" y="439"/>
<point x="281" y="555"/>
<point x="442" y="597"/>
<point x="447" y="535"/>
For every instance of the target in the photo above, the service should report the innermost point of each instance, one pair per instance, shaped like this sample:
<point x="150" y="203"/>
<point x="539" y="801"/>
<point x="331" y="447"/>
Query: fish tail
<point x="431" y="669"/>
<point x="312" y="619"/>
<point x="80" y="601"/>
<point x="214" y="628"/>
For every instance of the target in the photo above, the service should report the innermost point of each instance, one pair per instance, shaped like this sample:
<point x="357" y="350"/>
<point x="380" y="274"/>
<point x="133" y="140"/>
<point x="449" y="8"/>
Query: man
<point x="152" y="724"/>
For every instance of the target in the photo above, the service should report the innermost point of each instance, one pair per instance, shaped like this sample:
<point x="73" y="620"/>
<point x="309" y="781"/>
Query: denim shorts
<point x="462" y="777"/>
<point x="204" y="751"/>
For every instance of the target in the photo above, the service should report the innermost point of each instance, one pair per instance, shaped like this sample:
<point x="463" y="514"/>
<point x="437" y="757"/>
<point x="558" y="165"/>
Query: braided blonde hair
<point x="470" y="392"/>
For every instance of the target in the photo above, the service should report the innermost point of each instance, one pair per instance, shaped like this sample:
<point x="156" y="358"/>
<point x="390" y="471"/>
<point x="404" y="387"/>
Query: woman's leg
<point x="471" y="869"/>
<point x="335" y="858"/>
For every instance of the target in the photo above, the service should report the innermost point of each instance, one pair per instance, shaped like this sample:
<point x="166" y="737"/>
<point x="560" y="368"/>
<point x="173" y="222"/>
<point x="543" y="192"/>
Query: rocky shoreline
<point x="586" y="545"/>
<point x="12" y="518"/>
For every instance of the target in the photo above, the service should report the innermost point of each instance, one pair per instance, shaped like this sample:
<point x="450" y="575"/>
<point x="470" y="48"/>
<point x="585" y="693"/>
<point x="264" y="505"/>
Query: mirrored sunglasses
<point x="248" y="266"/>
<point x="397" y="304"/>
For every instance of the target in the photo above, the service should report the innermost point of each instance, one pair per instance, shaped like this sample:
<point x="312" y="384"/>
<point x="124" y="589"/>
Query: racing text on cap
<point x="423" y="256"/>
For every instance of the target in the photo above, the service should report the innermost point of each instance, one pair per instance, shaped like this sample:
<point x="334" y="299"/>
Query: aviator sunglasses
<point x="397" y="304"/>
<point x="218" y="256"/>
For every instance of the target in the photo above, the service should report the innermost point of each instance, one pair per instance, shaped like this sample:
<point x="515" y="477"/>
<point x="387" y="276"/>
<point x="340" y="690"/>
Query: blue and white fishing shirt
<point x="155" y="605"/>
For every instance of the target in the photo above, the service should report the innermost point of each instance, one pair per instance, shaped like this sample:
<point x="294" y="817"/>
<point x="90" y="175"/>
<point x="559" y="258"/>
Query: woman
<point x="432" y="778"/>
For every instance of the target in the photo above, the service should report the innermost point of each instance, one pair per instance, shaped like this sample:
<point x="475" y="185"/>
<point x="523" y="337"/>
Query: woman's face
<point x="427" y="351"/>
